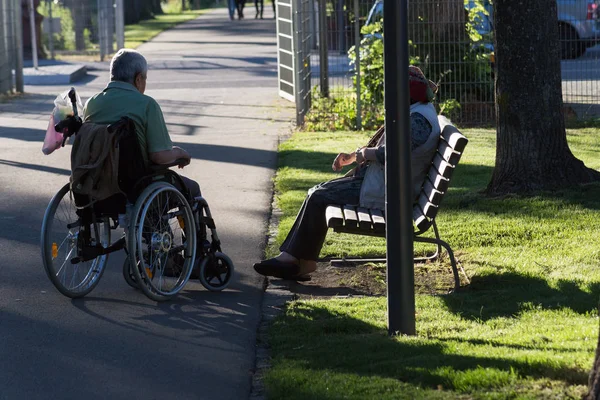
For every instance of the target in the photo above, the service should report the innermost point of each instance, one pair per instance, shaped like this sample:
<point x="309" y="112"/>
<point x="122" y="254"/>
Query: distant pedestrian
<point x="240" y="8"/>
<point x="231" y="6"/>
<point x="262" y="6"/>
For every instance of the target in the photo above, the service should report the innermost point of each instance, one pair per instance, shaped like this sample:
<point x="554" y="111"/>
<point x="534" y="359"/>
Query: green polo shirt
<point x="121" y="99"/>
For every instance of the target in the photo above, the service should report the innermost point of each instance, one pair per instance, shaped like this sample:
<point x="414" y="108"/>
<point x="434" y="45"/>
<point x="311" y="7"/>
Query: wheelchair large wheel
<point x="216" y="271"/>
<point x="128" y="274"/>
<point x="61" y="229"/>
<point x="162" y="241"/>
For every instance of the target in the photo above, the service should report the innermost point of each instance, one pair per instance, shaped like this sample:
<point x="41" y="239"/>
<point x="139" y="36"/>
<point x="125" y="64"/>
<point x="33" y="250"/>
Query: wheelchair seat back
<point x="133" y="175"/>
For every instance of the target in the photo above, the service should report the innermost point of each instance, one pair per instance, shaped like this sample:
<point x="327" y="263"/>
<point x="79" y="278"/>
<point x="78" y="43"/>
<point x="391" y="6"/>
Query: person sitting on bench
<point x="364" y="187"/>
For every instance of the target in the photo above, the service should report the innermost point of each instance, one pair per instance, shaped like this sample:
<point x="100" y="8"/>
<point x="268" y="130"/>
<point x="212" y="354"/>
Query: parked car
<point x="578" y="24"/>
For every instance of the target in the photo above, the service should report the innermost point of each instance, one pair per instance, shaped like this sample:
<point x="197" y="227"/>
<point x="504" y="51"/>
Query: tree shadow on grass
<point x="340" y="343"/>
<point x="469" y="182"/>
<point x="507" y="294"/>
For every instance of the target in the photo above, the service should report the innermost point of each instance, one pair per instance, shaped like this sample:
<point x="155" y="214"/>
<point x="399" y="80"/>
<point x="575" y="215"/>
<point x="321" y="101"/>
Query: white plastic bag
<point x="63" y="108"/>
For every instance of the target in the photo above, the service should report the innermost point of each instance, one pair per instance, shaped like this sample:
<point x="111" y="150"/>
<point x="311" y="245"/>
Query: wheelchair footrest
<point x="90" y="252"/>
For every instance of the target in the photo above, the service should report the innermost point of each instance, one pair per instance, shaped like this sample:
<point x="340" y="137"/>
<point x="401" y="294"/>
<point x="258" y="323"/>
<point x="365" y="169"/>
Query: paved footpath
<point x="216" y="81"/>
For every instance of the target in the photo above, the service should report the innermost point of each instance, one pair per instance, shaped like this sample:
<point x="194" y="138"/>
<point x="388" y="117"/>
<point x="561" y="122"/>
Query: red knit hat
<point x="421" y="89"/>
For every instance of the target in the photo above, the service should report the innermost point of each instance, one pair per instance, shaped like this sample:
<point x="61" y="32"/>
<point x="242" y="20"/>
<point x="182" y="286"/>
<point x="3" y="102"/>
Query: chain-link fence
<point x="11" y="56"/>
<point x="452" y="42"/>
<point x="81" y="27"/>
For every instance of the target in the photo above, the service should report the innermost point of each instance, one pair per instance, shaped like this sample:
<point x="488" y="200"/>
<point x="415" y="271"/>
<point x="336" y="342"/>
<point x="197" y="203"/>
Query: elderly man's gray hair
<point x="126" y="64"/>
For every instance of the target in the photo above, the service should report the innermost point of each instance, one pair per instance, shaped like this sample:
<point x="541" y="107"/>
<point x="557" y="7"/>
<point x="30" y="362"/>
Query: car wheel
<point x="570" y="45"/>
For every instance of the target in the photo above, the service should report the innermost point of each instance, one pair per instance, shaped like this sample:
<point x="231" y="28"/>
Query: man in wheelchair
<point x="124" y="97"/>
<point x="120" y="163"/>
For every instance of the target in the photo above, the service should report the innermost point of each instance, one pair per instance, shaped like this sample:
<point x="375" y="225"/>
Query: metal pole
<point x="357" y="64"/>
<point x="399" y="235"/>
<point x="120" y="23"/>
<point x="51" y="34"/>
<point x="101" y="44"/>
<point x="18" y="46"/>
<point x="323" y="60"/>
<point x="5" y="75"/>
<point x="33" y="35"/>
<point x="341" y="27"/>
<point x="9" y="18"/>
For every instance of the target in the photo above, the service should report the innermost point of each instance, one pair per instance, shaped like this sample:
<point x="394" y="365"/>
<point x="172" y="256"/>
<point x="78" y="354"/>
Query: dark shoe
<point x="279" y="269"/>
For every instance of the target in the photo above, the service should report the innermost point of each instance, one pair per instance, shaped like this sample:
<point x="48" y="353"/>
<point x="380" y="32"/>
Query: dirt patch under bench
<point x="344" y="280"/>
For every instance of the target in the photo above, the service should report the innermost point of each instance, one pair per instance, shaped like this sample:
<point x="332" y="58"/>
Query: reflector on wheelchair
<point x="54" y="250"/>
<point x="181" y="222"/>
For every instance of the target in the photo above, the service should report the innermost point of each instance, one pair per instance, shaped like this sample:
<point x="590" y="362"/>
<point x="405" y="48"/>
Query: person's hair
<point x="126" y="64"/>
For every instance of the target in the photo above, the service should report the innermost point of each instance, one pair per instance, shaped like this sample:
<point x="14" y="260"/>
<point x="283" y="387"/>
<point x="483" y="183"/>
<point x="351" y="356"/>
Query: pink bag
<point x="53" y="139"/>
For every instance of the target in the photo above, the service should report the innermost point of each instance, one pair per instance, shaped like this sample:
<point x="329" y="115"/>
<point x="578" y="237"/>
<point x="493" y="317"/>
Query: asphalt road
<point x="216" y="82"/>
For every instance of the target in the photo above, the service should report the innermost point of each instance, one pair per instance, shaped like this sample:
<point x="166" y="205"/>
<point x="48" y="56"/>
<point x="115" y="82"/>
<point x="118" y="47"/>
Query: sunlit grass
<point x="526" y="326"/>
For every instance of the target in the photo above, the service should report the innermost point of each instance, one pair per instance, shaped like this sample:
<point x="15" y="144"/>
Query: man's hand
<point x="342" y="160"/>
<point x="183" y="155"/>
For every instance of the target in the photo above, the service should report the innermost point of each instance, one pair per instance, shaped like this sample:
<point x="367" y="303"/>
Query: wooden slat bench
<point x="363" y="221"/>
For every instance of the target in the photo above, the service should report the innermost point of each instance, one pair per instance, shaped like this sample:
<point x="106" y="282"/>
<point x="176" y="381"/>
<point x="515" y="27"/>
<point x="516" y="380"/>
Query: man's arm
<point x="169" y="156"/>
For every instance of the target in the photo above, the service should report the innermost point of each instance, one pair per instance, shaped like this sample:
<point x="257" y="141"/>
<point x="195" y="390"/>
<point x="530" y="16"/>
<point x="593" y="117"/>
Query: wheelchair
<point x="165" y="233"/>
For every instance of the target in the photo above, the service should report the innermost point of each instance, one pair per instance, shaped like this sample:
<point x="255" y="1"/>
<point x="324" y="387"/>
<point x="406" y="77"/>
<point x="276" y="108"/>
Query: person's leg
<point x="304" y="241"/>
<point x="242" y="5"/>
<point x="273" y="3"/>
<point x="256" y="6"/>
<point x="307" y="235"/>
<point x="231" y="6"/>
<point x="262" y="8"/>
<point x="194" y="188"/>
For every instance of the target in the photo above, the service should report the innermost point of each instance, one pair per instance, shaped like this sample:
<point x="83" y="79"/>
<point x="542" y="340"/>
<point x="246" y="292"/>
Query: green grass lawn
<point x="526" y="327"/>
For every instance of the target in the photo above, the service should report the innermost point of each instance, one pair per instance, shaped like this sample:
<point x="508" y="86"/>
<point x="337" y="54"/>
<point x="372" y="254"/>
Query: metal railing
<point x="82" y="27"/>
<point x="11" y="53"/>
<point x="452" y="42"/>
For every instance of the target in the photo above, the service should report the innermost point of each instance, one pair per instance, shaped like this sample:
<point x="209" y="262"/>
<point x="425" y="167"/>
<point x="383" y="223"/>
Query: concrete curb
<point x="61" y="74"/>
<point x="274" y="301"/>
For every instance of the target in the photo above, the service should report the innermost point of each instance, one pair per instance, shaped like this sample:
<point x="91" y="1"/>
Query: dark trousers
<point x="194" y="189"/>
<point x="262" y="6"/>
<point x="305" y="239"/>
<point x="240" y="7"/>
<point x="192" y="186"/>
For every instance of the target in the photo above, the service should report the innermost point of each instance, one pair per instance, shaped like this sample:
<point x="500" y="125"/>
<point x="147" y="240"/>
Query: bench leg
<point x="438" y="249"/>
<point x="446" y="246"/>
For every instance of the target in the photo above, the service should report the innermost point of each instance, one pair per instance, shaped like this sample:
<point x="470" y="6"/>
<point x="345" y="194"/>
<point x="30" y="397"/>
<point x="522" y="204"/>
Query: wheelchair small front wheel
<point x="62" y="233"/>
<point x="216" y="271"/>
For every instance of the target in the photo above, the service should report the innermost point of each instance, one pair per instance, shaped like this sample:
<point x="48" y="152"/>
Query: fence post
<point x="357" y="64"/>
<point x="323" y="49"/>
<point x="341" y="27"/>
<point x="9" y="51"/>
<point x="18" y="27"/>
<point x="4" y="81"/>
<point x="120" y="24"/>
<point x="100" y="17"/>
<point x="51" y="33"/>
<point x="33" y="35"/>
<point x="297" y="43"/>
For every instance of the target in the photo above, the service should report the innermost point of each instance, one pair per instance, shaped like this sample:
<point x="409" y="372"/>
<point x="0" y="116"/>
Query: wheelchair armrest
<point x="161" y="167"/>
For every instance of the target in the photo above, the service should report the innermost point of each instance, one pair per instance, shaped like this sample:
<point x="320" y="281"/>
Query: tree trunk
<point x="532" y="152"/>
